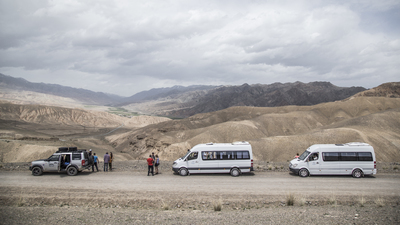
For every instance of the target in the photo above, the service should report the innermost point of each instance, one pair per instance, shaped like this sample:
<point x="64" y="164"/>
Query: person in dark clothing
<point x="95" y="162"/>
<point x="106" y="161"/>
<point x="111" y="160"/>
<point x="150" y="162"/>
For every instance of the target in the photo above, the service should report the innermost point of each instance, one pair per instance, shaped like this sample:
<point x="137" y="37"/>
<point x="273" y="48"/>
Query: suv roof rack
<point x="69" y="149"/>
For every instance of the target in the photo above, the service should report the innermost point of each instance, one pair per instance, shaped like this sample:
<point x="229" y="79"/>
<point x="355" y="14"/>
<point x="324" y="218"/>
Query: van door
<point x="330" y="164"/>
<point x="313" y="163"/>
<point x="192" y="162"/>
<point x="209" y="162"/>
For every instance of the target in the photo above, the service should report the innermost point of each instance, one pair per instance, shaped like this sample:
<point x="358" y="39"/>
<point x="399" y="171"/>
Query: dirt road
<point x="128" y="197"/>
<point x="137" y="184"/>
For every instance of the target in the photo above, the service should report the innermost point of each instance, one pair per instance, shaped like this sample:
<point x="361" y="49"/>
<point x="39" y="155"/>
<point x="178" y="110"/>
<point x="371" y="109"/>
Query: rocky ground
<point x="270" y="215"/>
<point x="140" y="165"/>
<point x="25" y="199"/>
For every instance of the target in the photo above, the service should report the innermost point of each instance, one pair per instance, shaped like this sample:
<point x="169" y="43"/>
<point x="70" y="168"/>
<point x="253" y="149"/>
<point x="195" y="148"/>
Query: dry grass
<point x="302" y="200"/>
<point x="290" y="199"/>
<point x="362" y="201"/>
<point x="380" y="202"/>
<point x="165" y="206"/>
<point x="332" y="200"/>
<point x="217" y="205"/>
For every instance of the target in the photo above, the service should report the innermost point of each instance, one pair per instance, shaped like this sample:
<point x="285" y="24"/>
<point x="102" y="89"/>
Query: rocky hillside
<point x="258" y="95"/>
<point x="276" y="133"/>
<point x="388" y="90"/>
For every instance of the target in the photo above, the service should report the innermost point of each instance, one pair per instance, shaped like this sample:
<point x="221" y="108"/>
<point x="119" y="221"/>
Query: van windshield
<point x="185" y="155"/>
<point x="304" y="155"/>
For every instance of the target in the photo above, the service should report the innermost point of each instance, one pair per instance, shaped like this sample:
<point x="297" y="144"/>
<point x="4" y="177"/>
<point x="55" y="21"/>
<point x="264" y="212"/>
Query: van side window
<point x="209" y="155"/>
<point x="348" y="156"/>
<point x="365" y="156"/>
<point x="330" y="156"/>
<point x="242" y="155"/>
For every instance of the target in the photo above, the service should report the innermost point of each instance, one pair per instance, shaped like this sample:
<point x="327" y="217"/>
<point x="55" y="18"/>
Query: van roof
<point x="350" y="144"/>
<point x="233" y="143"/>
<point x="234" y="146"/>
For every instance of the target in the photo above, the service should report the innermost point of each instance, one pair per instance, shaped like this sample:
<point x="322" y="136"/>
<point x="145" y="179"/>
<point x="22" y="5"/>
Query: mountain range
<point x="182" y="102"/>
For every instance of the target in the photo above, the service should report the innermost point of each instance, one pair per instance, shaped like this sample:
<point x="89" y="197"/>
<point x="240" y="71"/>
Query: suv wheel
<point x="37" y="171"/>
<point x="72" y="171"/>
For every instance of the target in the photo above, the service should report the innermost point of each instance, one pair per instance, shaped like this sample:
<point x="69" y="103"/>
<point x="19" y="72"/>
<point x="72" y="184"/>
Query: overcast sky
<point x="124" y="47"/>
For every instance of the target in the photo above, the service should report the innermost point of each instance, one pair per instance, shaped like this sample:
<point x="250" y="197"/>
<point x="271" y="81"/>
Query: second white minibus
<point x="357" y="159"/>
<point x="234" y="158"/>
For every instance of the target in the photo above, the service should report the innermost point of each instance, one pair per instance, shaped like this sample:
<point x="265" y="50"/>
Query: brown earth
<point x="131" y="197"/>
<point x="277" y="133"/>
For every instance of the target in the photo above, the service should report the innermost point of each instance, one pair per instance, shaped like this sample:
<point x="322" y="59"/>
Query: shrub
<point x="362" y="201"/>
<point x="217" y="205"/>
<point x="290" y="199"/>
<point x="380" y="202"/>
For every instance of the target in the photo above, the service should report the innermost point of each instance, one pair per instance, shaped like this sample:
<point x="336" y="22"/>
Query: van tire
<point x="357" y="173"/>
<point x="303" y="173"/>
<point x="183" y="172"/>
<point x="235" y="172"/>
<point x="72" y="171"/>
<point x="37" y="171"/>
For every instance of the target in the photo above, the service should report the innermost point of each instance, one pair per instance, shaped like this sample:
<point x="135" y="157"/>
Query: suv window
<point x="53" y="158"/>
<point x="76" y="156"/>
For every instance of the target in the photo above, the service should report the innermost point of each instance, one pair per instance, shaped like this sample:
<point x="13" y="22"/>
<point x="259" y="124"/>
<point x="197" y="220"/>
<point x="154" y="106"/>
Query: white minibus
<point x="357" y="159"/>
<point x="234" y="158"/>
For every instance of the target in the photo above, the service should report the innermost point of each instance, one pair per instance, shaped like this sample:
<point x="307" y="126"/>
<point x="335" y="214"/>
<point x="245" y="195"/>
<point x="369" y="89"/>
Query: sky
<point x="124" y="47"/>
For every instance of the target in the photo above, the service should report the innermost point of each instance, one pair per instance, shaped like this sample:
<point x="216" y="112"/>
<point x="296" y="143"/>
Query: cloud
<point x="123" y="47"/>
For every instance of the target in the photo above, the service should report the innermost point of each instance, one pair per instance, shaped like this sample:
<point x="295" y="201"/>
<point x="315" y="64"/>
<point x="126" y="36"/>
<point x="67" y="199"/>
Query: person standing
<point x="154" y="159"/>
<point x="157" y="162"/>
<point x="95" y="162"/>
<point x="150" y="165"/>
<point x="106" y="161"/>
<point x="111" y="159"/>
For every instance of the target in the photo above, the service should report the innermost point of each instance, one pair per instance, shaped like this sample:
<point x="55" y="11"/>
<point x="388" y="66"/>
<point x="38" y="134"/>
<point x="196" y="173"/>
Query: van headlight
<point x="174" y="163"/>
<point x="294" y="165"/>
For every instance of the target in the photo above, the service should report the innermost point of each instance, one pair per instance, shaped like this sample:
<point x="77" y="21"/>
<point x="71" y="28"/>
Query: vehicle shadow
<point x="64" y="174"/>
<point x="331" y="176"/>
<point x="218" y="174"/>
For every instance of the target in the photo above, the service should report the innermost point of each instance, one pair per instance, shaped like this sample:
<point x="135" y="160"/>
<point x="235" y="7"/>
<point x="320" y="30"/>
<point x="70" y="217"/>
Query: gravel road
<point x="131" y="197"/>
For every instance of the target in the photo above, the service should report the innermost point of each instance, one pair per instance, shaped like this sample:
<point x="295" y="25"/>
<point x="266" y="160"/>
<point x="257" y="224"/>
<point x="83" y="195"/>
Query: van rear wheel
<point x="357" y="173"/>
<point x="303" y="173"/>
<point x="235" y="172"/>
<point x="183" y="172"/>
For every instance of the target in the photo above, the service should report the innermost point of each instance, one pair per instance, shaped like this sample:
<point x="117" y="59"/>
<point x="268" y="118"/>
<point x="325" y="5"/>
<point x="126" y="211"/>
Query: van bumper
<point x="296" y="171"/>
<point x="175" y="169"/>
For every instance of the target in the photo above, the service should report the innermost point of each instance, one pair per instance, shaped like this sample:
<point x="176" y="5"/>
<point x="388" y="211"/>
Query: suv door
<point x="51" y="164"/>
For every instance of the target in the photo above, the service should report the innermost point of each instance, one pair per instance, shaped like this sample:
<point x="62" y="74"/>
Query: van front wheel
<point x="357" y="173"/>
<point x="235" y="172"/>
<point x="303" y="173"/>
<point x="183" y="172"/>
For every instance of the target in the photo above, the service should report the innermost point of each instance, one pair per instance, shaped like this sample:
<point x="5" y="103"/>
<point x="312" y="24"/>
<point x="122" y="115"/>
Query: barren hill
<point x="29" y="132"/>
<point x="259" y="95"/>
<point x="277" y="133"/>
<point x="389" y="90"/>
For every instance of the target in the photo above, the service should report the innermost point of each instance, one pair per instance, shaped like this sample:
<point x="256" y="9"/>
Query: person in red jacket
<point x="150" y="162"/>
